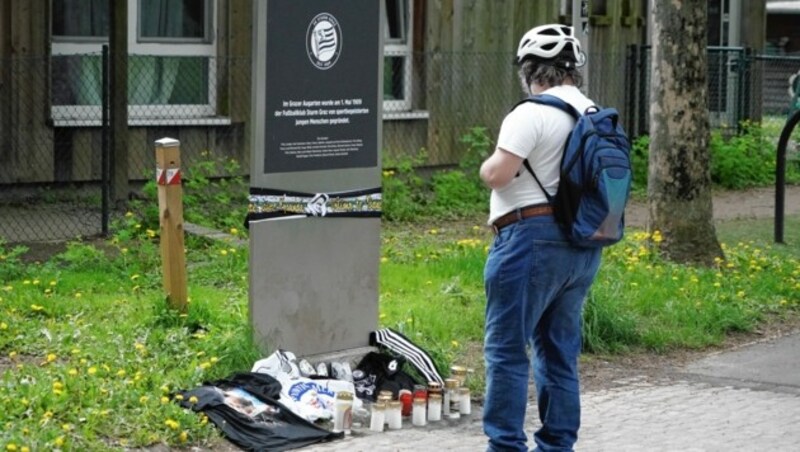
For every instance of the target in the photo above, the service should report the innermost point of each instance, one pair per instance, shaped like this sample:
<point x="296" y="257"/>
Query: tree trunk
<point x="679" y="179"/>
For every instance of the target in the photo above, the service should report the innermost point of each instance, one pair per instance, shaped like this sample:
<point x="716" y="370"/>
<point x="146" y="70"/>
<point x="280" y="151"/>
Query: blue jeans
<point x="536" y="283"/>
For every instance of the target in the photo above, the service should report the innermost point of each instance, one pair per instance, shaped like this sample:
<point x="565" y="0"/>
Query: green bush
<point x="448" y="193"/>
<point x="744" y="160"/>
<point x="215" y="195"/>
<point x="455" y="194"/>
<point x="404" y="196"/>
<point x="640" y="152"/>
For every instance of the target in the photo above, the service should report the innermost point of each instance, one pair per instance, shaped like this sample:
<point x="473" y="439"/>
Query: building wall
<point x="469" y="77"/>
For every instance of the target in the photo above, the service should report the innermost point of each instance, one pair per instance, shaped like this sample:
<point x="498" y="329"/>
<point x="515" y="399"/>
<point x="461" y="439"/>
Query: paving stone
<point x="655" y="417"/>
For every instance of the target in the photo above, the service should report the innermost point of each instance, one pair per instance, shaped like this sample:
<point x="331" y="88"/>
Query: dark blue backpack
<point x="595" y="176"/>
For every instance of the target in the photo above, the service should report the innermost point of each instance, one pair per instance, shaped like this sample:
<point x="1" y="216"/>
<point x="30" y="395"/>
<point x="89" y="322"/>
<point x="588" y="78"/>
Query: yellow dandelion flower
<point x="121" y="373"/>
<point x="134" y="277"/>
<point x="173" y="425"/>
<point x="59" y="441"/>
<point x="138" y="346"/>
<point x="11" y="447"/>
<point x="58" y="385"/>
<point x="433" y="231"/>
<point x="183" y="437"/>
<point x="123" y="250"/>
<point x="214" y="360"/>
<point x="51" y="357"/>
<point x="78" y="294"/>
<point x="192" y="399"/>
<point x="143" y="399"/>
<point x="66" y="427"/>
<point x="128" y="214"/>
<point x="178" y="396"/>
<point x="25" y="449"/>
<point x="35" y="282"/>
<point x="53" y="283"/>
<point x="164" y="400"/>
<point x="12" y="355"/>
<point x="138" y="226"/>
<point x="164" y="389"/>
<point x="150" y="233"/>
<point x="73" y="372"/>
<point x="384" y="260"/>
<point x="223" y="252"/>
<point x="205" y="365"/>
<point x="8" y="288"/>
<point x="27" y="282"/>
<point x="234" y="231"/>
<point x="454" y="343"/>
<point x="92" y="370"/>
<point x="36" y="307"/>
<point x="3" y="326"/>
<point x="382" y="316"/>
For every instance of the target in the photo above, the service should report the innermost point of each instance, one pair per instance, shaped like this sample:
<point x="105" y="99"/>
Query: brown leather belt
<point x="518" y="214"/>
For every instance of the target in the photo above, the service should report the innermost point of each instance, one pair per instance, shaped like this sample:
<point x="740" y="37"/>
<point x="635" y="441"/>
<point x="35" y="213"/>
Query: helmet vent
<point x="550" y="32"/>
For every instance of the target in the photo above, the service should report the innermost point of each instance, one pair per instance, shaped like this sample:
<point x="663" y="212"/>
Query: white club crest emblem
<point x="323" y="41"/>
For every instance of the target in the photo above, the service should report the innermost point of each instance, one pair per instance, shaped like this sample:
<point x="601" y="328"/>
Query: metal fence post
<point x="630" y="84"/>
<point x="170" y="207"/>
<point x="643" y="67"/>
<point x="105" y="180"/>
<point x="780" y="175"/>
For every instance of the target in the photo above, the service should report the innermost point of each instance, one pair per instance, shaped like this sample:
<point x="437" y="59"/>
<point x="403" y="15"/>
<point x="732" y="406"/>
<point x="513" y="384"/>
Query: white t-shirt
<point x="536" y="132"/>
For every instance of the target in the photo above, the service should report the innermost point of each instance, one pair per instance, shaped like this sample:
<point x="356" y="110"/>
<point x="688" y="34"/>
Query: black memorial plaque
<point x="321" y="85"/>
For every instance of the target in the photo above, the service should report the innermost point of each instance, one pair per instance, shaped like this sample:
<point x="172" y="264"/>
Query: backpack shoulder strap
<point x="552" y="101"/>
<point x="555" y="102"/>
<point x="530" y="170"/>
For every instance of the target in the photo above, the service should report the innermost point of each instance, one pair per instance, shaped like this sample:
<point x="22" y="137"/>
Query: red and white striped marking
<point x="174" y="176"/>
<point x="170" y="176"/>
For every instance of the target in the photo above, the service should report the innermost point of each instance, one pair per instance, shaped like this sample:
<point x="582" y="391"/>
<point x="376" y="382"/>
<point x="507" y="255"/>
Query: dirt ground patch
<point x="732" y="205"/>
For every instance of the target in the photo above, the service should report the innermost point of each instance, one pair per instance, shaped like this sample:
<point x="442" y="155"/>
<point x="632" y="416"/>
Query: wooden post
<point x="170" y="207"/>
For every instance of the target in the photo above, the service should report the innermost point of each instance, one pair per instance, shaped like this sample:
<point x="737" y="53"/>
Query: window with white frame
<point x="171" y="64"/>
<point x="397" y="61"/>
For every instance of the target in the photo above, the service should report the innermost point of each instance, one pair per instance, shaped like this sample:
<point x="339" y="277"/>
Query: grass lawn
<point x="90" y="358"/>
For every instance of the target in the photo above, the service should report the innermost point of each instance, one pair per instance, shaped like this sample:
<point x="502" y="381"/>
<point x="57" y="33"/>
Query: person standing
<point x="535" y="280"/>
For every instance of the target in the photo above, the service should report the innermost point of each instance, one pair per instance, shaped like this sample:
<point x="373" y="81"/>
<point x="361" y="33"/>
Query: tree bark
<point x="679" y="176"/>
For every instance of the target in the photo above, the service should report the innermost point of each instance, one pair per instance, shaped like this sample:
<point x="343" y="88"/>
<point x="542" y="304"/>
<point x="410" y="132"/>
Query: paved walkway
<point x="710" y="406"/>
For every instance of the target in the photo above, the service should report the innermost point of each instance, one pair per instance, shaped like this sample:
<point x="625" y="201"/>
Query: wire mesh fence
<point x="43" y="194"/>
<point x="741" y="85"/>
<point x="52" y="167"/>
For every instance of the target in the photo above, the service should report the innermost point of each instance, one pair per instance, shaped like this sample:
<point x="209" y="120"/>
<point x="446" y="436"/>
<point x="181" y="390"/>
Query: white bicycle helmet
<point x="548" y="41"/>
